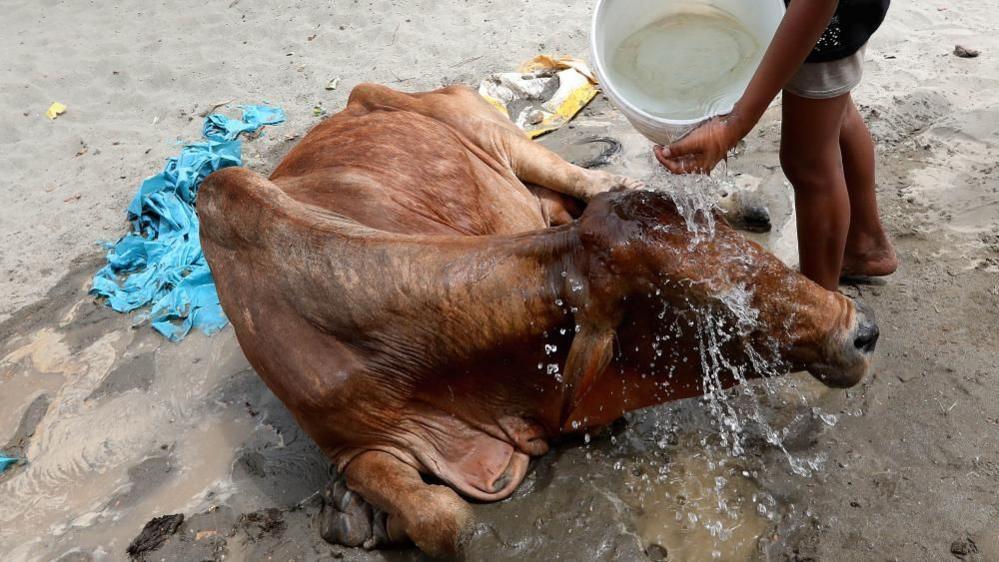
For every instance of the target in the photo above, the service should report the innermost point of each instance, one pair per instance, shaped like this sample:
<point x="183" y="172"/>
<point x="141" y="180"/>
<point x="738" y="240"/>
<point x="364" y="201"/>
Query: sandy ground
<point x="120" y="426"/>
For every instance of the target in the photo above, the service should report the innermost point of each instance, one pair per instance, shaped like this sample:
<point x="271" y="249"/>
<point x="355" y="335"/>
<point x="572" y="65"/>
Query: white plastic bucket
<point x="614" y="21"/>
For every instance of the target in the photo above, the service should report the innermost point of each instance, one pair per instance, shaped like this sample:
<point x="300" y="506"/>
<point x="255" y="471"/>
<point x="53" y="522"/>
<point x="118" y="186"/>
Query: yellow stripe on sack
<point x="535" y="133"/>
<point x="576" y="101"/>
<point x="500" y="106"/>
<point x="568" y="109"/>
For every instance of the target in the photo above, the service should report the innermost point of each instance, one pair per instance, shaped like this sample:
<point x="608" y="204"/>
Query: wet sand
<point x="121" y="426"/>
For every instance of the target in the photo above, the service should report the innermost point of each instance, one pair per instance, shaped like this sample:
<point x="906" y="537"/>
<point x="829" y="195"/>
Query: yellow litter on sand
<point x="55" y="110"/>
<point x="544" y="95"/>
<point x="545" y="62"/>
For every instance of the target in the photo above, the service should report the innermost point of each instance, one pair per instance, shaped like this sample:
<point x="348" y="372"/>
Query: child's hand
<point x="701" y="150"/>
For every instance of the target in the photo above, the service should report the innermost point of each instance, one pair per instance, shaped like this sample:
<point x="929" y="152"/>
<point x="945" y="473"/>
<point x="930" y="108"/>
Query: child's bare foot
<point x="869" y="258"/>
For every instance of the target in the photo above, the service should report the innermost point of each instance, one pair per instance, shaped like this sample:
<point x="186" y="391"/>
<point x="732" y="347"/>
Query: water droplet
<point x="829" y="419"/>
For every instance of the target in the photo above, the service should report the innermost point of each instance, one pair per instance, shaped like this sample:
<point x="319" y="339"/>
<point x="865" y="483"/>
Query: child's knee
<point x="809" y="169"/>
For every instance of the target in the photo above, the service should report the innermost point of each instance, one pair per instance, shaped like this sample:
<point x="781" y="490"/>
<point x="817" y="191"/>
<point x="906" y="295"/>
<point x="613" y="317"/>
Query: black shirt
<point x="852" y="25"/>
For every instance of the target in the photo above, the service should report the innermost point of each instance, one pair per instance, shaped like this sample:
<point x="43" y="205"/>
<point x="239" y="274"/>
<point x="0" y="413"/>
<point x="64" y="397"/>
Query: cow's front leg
<point x="402" y="507"/>
<point x="529" y="160"/>
<point x="533" y="163"/>
<point x="462" y="109"/>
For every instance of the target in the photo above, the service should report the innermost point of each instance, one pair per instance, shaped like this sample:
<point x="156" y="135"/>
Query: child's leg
<point x="868" y="251"/>
<point x="811" y="158"/>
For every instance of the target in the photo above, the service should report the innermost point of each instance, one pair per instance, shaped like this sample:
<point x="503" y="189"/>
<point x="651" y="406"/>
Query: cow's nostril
<point x="867" y="337"/>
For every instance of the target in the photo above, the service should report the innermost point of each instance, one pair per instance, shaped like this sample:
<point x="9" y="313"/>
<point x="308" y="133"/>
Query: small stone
<point x="965" y="52"/>
<point x="657" y="553"/>
<point x="963" y="548"/>
<point x="206" y="534"/>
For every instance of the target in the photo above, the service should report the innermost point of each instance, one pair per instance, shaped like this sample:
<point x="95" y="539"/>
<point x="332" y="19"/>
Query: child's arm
<point x="797" y="34"/>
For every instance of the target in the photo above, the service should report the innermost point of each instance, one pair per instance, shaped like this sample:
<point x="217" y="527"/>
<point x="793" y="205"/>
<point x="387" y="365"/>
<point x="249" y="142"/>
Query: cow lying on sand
<point x="409" y="271"/>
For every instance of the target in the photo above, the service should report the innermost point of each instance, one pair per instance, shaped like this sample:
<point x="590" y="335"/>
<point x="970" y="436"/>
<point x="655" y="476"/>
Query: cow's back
<point x="403" y="172"/>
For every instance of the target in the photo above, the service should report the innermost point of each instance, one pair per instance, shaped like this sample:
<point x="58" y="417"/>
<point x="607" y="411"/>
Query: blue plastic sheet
<point x="160" y="263"/>
<point x="7" y="462"/>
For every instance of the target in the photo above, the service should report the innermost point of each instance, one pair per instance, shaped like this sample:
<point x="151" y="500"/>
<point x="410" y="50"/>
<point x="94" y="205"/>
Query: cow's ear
<point x="590" y="354"/>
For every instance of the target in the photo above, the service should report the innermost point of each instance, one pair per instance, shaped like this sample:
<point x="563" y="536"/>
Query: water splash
<point x="715" y="332"/>
<point x="727" y="423"/>
<point x="696" y="196"/>
<point x="731" y="347"/>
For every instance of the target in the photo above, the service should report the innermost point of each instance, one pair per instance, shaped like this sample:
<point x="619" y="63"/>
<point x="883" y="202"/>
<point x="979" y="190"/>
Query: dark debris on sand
<point x="262" y="523"/>
<point x="965" y="52"/>
<point x="154" y="534"/>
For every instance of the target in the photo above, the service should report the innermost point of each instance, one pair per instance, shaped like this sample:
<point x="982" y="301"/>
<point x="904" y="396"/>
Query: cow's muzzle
<point x="847" y="360"/>
<point x="867" y="333"/>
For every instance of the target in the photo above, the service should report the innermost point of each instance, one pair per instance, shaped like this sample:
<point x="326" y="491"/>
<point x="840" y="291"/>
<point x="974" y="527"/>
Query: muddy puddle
<point x="118" y="426"/>
<point x="695" y="508"/>
<point x="101" y="456"/>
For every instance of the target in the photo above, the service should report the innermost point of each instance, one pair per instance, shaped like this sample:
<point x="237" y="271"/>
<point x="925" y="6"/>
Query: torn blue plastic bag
<point x="160" y="263"/>
<point x="7" y="462"/>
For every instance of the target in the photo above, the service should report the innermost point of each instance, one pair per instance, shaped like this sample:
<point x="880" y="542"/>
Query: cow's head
<point x="638" y="251"/>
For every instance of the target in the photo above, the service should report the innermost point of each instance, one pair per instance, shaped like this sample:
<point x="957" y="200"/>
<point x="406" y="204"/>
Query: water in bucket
<point x="687" y="63"/>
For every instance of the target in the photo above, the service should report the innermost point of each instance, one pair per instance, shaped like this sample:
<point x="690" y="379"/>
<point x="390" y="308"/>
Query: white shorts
<point x="823" y="80"/>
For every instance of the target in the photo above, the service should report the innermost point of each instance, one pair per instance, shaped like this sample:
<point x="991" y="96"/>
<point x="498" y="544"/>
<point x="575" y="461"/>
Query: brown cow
<point x="411" y="269"/>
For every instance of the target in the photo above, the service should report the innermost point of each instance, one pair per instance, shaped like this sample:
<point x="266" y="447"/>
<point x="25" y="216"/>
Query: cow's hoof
<point x="622" y="183"/>
<point x="443" y="524"/>
<point x="602" y="182"/>
<point x="348" y="520"/>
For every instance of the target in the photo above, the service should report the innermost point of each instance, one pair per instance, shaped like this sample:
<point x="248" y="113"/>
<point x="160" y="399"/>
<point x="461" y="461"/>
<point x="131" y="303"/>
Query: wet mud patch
<point x="566" y="508"/>
<point x="143" y="478"/>
<point x="136" y="374"/>
<point x="148" y="425"/>
<point x="68" y="318"/>
<point x="268" y="534"/>
<point x="278" y="460"/>
<point x="625" y="494"/>
<point x="18" y="444"/>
